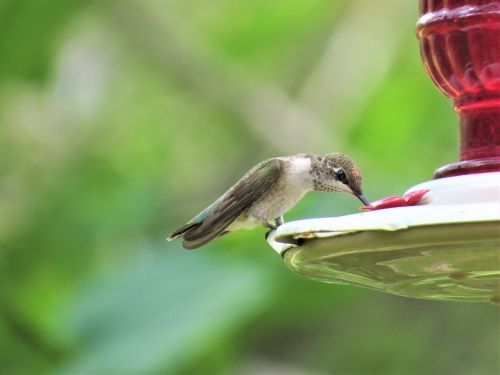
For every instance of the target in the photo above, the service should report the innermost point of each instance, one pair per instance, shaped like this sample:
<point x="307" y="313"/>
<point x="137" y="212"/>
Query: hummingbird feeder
<point x="447" y="246"/>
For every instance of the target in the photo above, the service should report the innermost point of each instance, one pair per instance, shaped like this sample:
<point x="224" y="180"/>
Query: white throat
<point x="298" y="173"/>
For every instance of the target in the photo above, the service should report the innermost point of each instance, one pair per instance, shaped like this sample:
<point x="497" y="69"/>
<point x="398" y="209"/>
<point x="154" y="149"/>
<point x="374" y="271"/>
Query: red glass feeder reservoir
<point x="460" y="46"/>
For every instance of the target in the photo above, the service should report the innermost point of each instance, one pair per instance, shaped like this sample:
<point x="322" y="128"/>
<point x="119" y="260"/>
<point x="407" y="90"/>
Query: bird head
<point x="337" y="172"/>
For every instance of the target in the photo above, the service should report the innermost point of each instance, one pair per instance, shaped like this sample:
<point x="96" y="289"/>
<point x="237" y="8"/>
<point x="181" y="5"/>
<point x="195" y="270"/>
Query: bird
<point x="267" y="191"/>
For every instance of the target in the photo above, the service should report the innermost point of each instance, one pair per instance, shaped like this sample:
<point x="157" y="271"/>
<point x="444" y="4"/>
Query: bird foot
<point x="269" y="232"/>
<point x="278" y="221"/>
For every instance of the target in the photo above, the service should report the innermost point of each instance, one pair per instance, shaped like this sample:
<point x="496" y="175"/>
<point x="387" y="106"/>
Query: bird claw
<point x="278" y="221"/>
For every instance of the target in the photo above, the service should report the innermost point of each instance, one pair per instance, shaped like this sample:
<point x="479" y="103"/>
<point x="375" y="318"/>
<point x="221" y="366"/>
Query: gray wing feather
<point x="247" y="191"/>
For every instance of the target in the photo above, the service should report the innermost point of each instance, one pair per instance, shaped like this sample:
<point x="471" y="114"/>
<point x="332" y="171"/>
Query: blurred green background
<point x="122" y="119"/>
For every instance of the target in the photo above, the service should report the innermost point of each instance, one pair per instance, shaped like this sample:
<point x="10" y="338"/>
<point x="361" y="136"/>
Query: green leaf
<point x="160" y="313"/>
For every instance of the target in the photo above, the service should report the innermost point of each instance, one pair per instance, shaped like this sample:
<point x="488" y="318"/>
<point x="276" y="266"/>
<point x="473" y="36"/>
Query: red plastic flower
<point x="409" y="199"/>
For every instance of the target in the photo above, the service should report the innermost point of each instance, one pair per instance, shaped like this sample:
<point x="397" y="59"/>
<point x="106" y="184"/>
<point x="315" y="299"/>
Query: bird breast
<point x="295" y="181"/>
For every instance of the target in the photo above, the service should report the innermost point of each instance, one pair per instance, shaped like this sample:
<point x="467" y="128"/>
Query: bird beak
<point x="362" y="198"/>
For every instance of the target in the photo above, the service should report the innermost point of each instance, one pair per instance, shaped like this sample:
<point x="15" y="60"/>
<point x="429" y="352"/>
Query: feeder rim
<point x="452" y="200"/>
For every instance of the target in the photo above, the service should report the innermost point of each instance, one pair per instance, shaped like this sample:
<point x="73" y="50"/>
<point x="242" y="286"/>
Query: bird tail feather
<point x="194" y="240"/>
<point x="182" y="231"/>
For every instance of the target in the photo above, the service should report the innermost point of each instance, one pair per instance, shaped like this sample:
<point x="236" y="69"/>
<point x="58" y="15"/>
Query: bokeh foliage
<point x="121" y="119"/>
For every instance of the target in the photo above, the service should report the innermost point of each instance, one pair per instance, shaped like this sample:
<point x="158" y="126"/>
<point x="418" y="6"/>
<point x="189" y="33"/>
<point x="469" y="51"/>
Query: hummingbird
<point x="267" y="191"/>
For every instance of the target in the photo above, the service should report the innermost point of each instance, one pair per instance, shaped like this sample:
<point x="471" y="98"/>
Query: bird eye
<point x="341" y="176"/>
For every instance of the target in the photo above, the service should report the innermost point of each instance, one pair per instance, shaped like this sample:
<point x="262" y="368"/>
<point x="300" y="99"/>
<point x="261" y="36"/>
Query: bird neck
<point x="298" y="172"/>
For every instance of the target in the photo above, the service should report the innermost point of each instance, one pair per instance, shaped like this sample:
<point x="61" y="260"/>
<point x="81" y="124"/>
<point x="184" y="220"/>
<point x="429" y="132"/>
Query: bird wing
<point x="212" y="222"/>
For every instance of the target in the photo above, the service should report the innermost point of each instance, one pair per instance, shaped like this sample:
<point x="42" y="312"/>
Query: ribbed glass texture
<point x="460" y="46"/>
